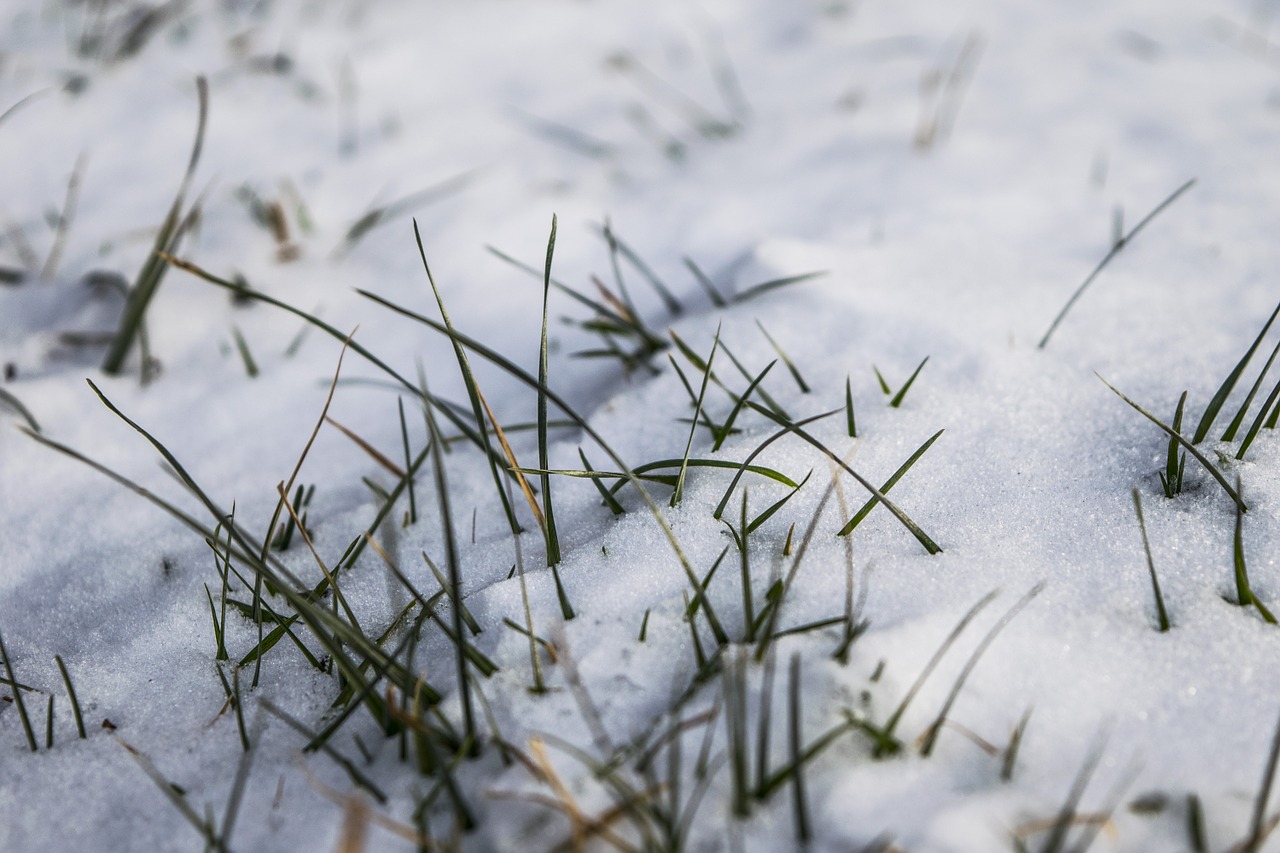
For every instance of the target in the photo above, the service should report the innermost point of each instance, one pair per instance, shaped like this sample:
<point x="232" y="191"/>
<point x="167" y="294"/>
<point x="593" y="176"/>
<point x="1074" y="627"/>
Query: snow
<point x="960" y="246"/>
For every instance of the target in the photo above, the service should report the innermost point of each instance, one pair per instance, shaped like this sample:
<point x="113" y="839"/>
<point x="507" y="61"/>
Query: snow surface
<point x="961" y="247"/>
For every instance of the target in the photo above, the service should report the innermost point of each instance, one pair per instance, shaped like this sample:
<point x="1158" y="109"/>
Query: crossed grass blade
<point x="923" y="538"/>
<point x="888" y="484"/>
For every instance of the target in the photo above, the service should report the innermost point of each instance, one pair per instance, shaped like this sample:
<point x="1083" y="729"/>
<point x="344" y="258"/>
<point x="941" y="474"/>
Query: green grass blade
<point x="1116" y="247"/>
<point x="777" y="505"/>
<point x="14" y="403"/>
<point x="1172" y="478"/>
<point x="71" y="694"/>
<point x="915" y="529"/>
<point x="553" y="541"/>
<point x="935" y="729"/>
<point x="717" y="299"/>
<point x="678" y="492"/>
<point x="889" y="484"/>
<point x="848" y="408"/>
<point x="153" y="269"/>
<point x="773" y="284"/>
<point x="1224" y="391"/>
<point x="668" y="298"/>
<point x="902" y="392"/>
<point x="17" y="697"/>
<point x="469" y="379"/>
<point x="1268" y="406"/>
<point x="1172" y="433"/>
<point x="1230" y="433"/>
<point x="1161" y="615"/>
<point x="609" y="499"/>
<point x="795" y="371"/>
<point x="1244" y="593"/>
<point x="727" y="427"/>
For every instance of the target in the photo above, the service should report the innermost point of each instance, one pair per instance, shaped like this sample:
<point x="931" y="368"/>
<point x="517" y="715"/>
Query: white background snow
<point x="960" y="246"/>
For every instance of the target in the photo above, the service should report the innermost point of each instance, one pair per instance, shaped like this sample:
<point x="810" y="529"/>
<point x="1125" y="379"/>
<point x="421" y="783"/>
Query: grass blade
<point x="17" y="697"/>
<point x="902" y="392"/>
<point x="553" y="541"/>
<point x="1116" y="247"/>
<point x="1173" y="434"/>
<point x="1244" y="594"/>
<point x="935" y="728"/>
<point x="795" y="371"/>
<point x="472" y="390"/>
<point x="1224" y="390"/>
<point x="888" y="484"/>
<point x="71" y="694"/>
<point x="153" y="270"/>
<point x="693" y="427"/>
<point x="1161" y="614"/>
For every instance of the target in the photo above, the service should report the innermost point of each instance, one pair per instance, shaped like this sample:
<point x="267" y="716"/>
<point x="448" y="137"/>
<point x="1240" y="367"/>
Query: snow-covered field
<point x="954" y="170"/>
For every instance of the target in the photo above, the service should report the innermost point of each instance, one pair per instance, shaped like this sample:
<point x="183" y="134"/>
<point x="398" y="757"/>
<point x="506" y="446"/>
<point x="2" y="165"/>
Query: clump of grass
<point x="1174" y="435"/>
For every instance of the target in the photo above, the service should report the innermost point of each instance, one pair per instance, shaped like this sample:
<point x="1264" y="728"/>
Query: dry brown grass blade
<point x="514" y="464"/>
<point x="582" y="827"/>
<point x="368" y="448"/>
<point x="358" y="816"/>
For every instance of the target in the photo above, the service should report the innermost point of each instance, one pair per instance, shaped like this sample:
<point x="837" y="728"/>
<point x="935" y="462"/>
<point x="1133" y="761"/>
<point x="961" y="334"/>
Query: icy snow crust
<point x="961" y="249"/>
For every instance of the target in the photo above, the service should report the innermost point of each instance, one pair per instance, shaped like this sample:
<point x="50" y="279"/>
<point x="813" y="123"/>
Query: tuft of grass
<point x="1188" y="445"/>
<point x="1162" y="617"/>
<point x="1118" y="244"/>
<point x="153" y="269"/>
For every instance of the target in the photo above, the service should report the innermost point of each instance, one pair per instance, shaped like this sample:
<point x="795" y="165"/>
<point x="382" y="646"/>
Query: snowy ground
<point x="955" y="170"/>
